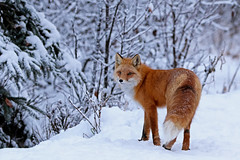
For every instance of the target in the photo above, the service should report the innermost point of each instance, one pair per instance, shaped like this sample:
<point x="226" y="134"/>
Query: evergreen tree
<point x="13" y="129"/>
<point x="31" y="61"/>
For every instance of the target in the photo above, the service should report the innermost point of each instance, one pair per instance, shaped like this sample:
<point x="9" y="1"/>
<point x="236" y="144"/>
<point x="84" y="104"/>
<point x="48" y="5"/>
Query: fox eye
<point x="119" y="72"/>
<point x="130" y="73"/>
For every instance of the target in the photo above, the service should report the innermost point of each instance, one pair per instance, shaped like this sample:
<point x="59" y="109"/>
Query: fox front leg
<point x="146" y="128"/>
<point x="153" y="116"/>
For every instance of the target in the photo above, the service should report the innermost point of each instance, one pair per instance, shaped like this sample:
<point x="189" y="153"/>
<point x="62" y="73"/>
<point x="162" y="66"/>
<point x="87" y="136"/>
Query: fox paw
<point x="143" y="139"/>
<point x="156" y="141"/>
<point x="165" y="146"/>
<point x="185" y="148"/>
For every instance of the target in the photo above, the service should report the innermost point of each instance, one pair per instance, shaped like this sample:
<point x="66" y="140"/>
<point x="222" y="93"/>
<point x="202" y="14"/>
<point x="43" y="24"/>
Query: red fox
<point x="179" y="89"/>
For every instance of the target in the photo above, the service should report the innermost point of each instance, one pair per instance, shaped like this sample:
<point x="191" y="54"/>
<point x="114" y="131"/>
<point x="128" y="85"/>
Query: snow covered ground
<point x="214" y="135"/>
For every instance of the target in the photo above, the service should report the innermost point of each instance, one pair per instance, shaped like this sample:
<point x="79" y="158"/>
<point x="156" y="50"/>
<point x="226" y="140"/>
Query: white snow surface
<point x="214" y="136"/>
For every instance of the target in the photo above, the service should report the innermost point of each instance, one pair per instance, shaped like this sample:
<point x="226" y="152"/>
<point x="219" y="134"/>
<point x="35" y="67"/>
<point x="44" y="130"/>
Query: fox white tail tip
<point x="170" y="131"/>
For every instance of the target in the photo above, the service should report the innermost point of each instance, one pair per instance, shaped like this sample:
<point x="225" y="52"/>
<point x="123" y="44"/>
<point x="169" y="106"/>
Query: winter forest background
<point x="57" y="56"/>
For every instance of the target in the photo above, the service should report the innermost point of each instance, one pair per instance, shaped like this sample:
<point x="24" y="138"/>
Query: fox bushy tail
<point x="180" y="111"/>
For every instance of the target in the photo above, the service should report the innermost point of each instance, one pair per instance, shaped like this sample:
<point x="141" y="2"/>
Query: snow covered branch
<point x="95" y="127"/>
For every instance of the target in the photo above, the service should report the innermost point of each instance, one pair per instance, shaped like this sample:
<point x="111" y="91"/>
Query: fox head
<point x="127" y="71"/>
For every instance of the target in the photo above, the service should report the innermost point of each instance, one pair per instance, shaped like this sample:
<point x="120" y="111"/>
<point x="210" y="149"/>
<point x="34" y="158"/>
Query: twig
<point x="211" y="68"/>
<point x="84" y="116"/>
<point x="233" y="78"/>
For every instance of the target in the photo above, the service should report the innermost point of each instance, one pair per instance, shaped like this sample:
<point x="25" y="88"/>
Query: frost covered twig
<point x="84" y="116"/>
<point x="233" y="78"/>
<point x="211" y="68"/>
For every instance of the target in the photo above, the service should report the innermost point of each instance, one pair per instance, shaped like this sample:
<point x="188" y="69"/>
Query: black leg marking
<point x="144" y="136"/>
<point x="186" y="131"/>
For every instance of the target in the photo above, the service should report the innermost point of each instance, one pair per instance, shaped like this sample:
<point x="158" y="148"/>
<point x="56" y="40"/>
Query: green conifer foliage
<point x="29" y="50"/>
<point x="27" y="34"/>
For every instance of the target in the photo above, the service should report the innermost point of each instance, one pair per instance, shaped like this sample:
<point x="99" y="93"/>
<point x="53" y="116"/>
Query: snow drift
<point x="214" y="135"/>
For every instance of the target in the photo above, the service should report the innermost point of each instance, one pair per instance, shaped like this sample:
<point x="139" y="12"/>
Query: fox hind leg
<point x="186" y="138"/>
<point x="186" y="141"/>
<point x="169" y="145"/>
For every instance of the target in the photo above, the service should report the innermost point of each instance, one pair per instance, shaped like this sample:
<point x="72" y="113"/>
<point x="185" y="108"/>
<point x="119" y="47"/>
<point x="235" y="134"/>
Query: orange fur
<point x="178" y="89"/>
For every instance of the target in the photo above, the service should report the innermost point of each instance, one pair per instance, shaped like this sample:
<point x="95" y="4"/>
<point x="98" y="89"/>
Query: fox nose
<point x="120" y="80"/>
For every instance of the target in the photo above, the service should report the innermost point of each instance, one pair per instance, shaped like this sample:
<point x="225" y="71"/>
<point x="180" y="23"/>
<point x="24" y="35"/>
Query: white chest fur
<point x="128" y="87"/>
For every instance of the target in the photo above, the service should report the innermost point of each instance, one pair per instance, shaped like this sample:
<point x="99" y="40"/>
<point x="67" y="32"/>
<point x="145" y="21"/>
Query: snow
<point x="49" y="30"/>
<point x="73" y="64"/>
<point x="150" y="7"/>
<point x="214" y="136"/>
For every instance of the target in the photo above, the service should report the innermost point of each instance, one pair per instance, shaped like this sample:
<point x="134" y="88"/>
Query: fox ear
<point x="118" y="60"/>
<point x="136" y="61"/>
